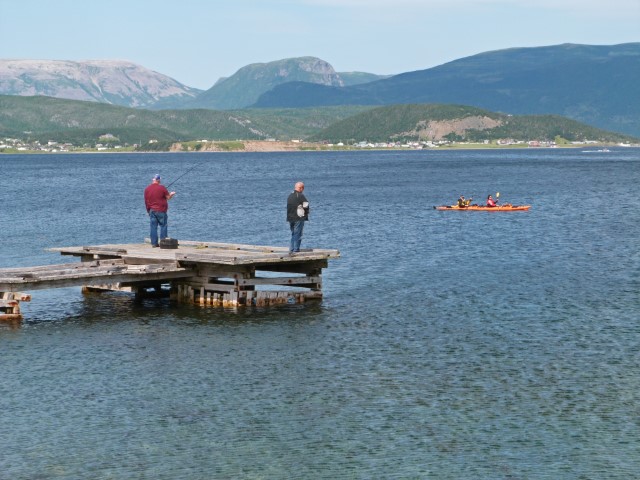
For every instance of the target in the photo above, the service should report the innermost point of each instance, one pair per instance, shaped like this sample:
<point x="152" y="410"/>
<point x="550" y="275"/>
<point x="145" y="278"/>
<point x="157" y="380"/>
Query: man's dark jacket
<point x="295" y="199"/>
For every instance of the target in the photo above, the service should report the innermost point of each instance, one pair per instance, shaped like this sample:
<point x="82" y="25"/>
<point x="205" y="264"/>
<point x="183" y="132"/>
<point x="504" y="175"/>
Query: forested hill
<point x="458" y="123"/>
<point x="46" y="118"/>
<point x="77" y="122"/>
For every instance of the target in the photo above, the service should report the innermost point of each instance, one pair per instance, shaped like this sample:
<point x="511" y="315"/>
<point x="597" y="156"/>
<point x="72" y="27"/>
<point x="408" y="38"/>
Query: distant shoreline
<point x="253" y="146"/>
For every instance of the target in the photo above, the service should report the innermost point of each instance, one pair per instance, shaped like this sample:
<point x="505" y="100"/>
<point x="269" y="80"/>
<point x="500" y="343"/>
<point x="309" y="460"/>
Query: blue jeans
<point x="296" y="235"/>
<point x="158" y="219"/>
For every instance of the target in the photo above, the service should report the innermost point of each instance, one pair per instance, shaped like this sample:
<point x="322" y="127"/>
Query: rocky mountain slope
<point x="127" y="84"/>
<point x="105" y="81"/>
<point x="245" y="86"/>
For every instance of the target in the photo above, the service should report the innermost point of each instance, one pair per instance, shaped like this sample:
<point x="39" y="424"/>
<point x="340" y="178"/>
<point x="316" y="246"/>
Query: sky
<point x="196" y="42"/>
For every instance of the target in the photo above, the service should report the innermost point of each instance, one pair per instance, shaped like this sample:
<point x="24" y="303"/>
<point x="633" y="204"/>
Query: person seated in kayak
<point x="491" y="202"/>
<point x="463" y="202"/>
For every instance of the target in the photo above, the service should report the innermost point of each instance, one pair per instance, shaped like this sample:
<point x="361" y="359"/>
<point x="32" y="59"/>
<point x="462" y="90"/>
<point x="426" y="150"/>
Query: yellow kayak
<point x="507" y="207"/>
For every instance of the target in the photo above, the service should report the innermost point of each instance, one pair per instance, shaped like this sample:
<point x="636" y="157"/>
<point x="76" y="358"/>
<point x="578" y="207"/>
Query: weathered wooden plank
<point x="187" y="244"/>
<point x="279" y="280"/>
<point x="215" y="252"/>
<point x="85" y="268"/>
<point x="239" y="248"/>
<point x="232" y="246"/>
<point x="60" y="266"/>
<point x="87" y="250"/>
<point x="89" y="278"/>
<point x="214" y="287"/>
<point x="107" y="287"/>
<point x="258" y="259"/>
<point x="147" y="261"/>
<point x="219" y="271"/>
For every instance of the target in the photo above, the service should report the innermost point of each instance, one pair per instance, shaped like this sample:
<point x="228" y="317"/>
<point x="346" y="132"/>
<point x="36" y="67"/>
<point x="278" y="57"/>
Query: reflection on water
<point x="449" y="344"/>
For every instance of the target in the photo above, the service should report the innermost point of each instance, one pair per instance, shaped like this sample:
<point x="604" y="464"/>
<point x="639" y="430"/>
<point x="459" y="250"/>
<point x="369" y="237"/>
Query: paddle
<point x="504" y="204"/>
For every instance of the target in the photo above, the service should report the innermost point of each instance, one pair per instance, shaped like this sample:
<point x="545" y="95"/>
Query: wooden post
<point x="10" y="305"/>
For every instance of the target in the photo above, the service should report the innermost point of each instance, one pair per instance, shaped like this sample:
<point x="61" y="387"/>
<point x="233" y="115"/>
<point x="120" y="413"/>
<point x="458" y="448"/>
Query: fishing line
<point x="189" y="170"/>
<point x="196" y="165"/>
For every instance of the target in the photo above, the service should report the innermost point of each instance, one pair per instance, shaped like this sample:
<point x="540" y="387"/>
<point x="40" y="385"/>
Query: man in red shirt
<point x="156" y="198"/>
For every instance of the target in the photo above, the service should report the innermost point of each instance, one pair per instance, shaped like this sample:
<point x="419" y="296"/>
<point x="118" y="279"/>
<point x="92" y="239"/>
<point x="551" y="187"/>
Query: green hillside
<point x="84" y="123"/>
<point x="46" y="118"/>
<point x="459" y="123"/>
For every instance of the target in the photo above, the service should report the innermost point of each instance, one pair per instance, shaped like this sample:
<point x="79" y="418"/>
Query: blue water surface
<point x="449" y="345"/>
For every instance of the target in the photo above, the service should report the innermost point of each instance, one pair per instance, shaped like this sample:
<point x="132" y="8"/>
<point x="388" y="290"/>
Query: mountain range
<point x="597" y="85"/>
<point x="244" y="88"/>
<point x="104" y="81"/>
<point x="123" y="83"/>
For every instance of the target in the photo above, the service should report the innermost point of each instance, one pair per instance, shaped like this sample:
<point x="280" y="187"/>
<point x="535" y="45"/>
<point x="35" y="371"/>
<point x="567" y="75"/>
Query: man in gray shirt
<point x="297" y="214"/>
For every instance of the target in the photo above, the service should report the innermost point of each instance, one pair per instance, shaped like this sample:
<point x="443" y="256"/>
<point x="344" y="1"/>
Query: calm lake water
<point x="450" y="345"/>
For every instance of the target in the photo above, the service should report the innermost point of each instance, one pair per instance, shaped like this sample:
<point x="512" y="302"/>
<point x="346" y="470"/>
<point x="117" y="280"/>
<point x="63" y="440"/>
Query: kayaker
<point x="491" y="202"/>
<point x="463" y="202"/>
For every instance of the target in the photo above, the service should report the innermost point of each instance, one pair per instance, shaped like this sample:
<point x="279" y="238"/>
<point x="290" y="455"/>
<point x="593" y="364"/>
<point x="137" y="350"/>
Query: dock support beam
<point x="10" y="305"/>
<point x="234" y="286"/>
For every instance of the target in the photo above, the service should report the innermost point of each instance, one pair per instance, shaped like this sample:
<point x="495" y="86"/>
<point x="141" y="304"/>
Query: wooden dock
<point x="204" y="273"/>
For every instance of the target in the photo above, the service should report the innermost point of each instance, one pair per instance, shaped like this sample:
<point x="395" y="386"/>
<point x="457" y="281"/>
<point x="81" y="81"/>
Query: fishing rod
<point x="167" y="186"/>
<point x="196" y="165"/>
